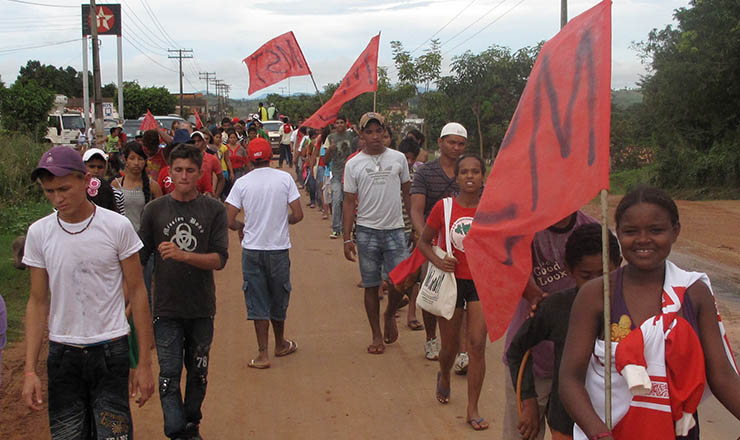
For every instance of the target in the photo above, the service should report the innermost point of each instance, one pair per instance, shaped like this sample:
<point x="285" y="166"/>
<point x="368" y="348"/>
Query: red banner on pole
<point x="149" y="123"/>
<point x="553" y="160"/>
<point x="276" y="60"/>
<point x="362" y="77"/>
<point x="198" y="122"/>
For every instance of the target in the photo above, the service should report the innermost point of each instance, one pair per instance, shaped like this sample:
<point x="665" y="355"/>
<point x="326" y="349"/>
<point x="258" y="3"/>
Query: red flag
<point x="149" y="123"/>
<point x="276" y="60"/>
<point x="362" y="77"/>
<point x="553" y="160"/>
<point x="198" y="122"/>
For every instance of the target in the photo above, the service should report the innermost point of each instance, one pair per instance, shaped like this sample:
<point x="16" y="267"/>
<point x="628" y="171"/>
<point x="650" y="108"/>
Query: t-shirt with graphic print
<point x="377" y="180"/>
<point x="346" y="144"/>
<point x="461" y="219"/>
<point x="199" y="225"/>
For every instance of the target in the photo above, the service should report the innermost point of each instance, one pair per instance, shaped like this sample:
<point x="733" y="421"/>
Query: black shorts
<point x="465" y="292"/>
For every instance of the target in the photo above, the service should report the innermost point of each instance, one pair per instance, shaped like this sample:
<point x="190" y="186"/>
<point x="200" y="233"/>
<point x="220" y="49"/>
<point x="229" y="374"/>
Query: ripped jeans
<point x="88" y="391"/>
<point x="182" y="342"/>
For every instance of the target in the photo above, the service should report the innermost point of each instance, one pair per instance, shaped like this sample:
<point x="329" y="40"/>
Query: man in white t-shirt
<point x="270" y="201"/>
<point x="377" y="178"/>
<point x="81" y="259"/>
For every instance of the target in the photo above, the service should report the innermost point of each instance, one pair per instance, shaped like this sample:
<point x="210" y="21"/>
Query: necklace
<point x="59" y="222"/>
<point x="376" y="159"/>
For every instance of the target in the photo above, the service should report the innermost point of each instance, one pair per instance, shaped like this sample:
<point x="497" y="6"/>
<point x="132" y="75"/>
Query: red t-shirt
<point x="460" y="221"/>
<point x="155" y="164"/>
<point x="165" y="182"/>
<point x="238" y="156"/>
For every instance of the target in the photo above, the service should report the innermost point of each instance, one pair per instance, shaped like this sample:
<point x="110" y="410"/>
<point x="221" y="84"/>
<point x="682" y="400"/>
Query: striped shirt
<point x="431" y="181"/>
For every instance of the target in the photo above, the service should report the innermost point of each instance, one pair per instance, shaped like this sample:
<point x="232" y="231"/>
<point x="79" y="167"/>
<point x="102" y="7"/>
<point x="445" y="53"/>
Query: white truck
<point x="63" y="126"/>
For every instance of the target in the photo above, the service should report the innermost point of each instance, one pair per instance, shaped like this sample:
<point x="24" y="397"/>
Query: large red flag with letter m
<point x="362" y="77"/>
<point x="276" y="60"/>
<point x="553" y="160"/>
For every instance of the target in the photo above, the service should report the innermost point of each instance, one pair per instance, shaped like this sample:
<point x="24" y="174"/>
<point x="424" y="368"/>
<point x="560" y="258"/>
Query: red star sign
<point x="105" y="19"/>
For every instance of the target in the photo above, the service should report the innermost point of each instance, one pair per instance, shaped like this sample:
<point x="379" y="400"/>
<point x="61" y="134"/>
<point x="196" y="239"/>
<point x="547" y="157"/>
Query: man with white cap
<point x="434" y="181"/>
<point x="377" y="178"/>
<point x="100" y="191"/>
<point x="81" y="294"/>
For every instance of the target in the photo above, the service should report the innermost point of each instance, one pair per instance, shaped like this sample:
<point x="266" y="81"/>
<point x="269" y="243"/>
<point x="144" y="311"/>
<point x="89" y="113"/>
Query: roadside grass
<point x="14" y="221"/>
<point x="624" y="180"/>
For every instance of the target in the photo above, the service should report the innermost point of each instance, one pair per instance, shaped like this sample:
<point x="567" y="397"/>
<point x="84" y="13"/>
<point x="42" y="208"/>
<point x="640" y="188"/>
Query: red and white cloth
<point x="662" y="362"/>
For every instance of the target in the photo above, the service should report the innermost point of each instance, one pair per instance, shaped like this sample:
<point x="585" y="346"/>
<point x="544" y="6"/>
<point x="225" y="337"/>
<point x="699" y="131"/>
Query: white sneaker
<point x="431" y="349"/>
<point x="461" y="364"/>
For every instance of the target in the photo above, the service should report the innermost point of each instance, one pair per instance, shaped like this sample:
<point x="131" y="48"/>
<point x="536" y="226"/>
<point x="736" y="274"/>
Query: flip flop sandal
<point x="376" y="349"/>
<point x="292" y="348"/>
<point x="253" y="364"/>
<point x="477" y="424"/>
<point x="415" y="325"/>
<point x="444" y="394"/>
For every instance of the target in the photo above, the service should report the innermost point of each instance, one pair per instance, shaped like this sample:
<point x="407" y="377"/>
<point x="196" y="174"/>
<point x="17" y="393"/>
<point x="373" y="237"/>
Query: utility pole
<point x="99" y="139"/>
<point x="181" y="53"/>
<point x="217" y="83"/>
<point x="206" y="76"/>
<point x="563" y="13"/>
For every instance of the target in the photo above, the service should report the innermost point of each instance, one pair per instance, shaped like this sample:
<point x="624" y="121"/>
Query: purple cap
<point x="60" y="161"/>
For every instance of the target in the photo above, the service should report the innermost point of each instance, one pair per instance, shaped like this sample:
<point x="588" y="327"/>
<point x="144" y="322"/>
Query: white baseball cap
<point x="454" y="128"/>
<point x="94" y="152"/>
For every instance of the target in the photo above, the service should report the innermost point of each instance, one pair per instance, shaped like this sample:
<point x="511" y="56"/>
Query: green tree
<point x="65" y="81"/>
<point x="109" y="91"/>
<point x="24" y="107"/>
<point x="691" y="93"/>
<point x="137" y="100"/>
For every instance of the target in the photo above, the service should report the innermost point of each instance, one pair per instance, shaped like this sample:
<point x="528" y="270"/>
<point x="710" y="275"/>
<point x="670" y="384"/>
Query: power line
<point x="146" y="31"/>
<point x="157" y="24"/>
<point x="443" y="27"/>
<point x="143" y="42"/>
<point x="181" y="53"/>
<point x="37" y="46"/>
<point x="43" y="4"/>
<point x="474" y="22"/>
<point x="146" y="55"/>
<point x="486" y="26"/>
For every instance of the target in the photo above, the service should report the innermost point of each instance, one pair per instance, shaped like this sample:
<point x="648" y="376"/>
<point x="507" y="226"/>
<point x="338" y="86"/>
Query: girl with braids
<point x="137" y="187"/>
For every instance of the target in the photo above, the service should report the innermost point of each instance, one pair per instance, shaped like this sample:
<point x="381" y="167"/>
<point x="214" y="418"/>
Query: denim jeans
<point x="266" y="283"/>
<point x="379" y="252"/>
<point x="88" y="391"/>
<point x="319" y="185"/>
<point x="285" y="155"/>
<point x="182" y="341"/>
<point x="311" y="187"/>
<point x="337" y="196"/>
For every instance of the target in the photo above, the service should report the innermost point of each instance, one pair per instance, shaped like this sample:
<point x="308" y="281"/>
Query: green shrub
<point x="20" y="157"/>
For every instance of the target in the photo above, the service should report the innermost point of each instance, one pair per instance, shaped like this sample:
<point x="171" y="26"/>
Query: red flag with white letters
<point x="362" y="77"/>
<point x="553" y="160"/>
<point x="276" y="60"/>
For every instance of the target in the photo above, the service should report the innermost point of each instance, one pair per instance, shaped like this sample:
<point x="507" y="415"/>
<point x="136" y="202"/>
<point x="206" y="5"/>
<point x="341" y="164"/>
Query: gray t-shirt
<point x="182" y="290"/>
<point x="377" y="182"/>
<point x="346" y="145"/>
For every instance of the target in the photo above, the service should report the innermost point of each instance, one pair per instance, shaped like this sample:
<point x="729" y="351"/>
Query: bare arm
<point x="165" y="136"/>
<point x="296" y="212"/>
<point x="210" y="261"/>
<point x="37" y="311"/>
<point x="348" y="218"/>
<point x="220" y="182"/>
<point x="229" y="167"/>
<point x="134" y="286"/>
<point x="154" y="187"/>
<point x="583" y="329"/>
<point x="234" y="224"/>
<point x="447" y="263"/>
<point x="721" y="377"/>
<point x="416" y="212"/>
<point x="405" y="197"/>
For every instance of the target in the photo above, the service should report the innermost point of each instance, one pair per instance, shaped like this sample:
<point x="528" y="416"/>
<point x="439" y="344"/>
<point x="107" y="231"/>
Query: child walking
<point x="647" y="292"/>
<point x="583" y="257"/>
<point x="469" y="173"/>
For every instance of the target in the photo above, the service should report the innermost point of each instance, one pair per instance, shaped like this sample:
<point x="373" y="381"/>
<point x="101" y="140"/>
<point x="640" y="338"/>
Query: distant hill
<point x="626" y="98"/>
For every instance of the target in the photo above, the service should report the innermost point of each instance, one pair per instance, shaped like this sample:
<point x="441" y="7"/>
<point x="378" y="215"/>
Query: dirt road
<point x="331" y="388"/>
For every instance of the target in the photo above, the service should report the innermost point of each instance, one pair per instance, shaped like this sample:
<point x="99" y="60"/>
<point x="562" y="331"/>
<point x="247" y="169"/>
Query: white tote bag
<point x="438" y="293"/>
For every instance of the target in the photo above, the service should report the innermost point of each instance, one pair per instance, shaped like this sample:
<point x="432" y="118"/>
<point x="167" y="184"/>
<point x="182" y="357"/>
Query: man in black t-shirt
<point x="187" y="232"/>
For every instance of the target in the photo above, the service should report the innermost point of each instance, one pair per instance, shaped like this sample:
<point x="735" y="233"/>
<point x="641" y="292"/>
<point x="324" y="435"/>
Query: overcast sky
<point x="332" y="33"/>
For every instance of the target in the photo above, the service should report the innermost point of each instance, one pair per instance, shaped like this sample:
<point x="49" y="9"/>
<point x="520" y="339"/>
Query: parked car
<point x="272" y="129"/>
<point x="131" y="126"/>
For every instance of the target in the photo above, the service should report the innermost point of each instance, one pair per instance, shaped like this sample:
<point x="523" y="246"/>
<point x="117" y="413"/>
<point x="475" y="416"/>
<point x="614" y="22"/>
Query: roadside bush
<point x="20" y="157"/>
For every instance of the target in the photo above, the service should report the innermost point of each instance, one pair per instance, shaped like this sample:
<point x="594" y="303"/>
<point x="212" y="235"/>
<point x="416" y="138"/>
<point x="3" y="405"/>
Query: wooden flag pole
<point x="317" y="90"/>
<point x="607" y="312"/>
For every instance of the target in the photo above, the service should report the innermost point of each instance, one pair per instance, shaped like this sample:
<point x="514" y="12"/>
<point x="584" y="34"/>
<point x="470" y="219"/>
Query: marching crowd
<point x="126" y="264"/>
